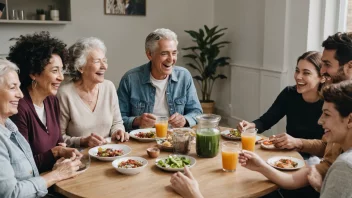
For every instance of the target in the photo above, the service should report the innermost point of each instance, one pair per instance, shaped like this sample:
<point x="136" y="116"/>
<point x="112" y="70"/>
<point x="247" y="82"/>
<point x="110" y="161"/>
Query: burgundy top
<point x="40" y="137"/>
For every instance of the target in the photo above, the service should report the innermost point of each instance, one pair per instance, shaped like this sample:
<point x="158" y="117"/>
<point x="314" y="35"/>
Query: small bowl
<point x="129" y="171"/>
<point x="153" y="152"/>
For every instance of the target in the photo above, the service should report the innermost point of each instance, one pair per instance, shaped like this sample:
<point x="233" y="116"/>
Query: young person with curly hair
<point x="41" y="60"/>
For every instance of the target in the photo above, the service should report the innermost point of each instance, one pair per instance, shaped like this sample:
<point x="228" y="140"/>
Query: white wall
<point x="245" y="20"/>
<point x="123" y="35"/>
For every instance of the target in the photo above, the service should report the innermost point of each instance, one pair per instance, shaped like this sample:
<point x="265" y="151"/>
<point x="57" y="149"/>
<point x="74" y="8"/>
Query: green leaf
<point x="191" y="48"/>
<point x="192" y="56"/>
<point x="198" y="78"/>
<point x="201" y="33"/>
<point x="222" y="29"/>
<point x="192" y="66"/>
<point x="193" y="34"/>
<point x="206" y="29"/>
<point x="215" y="38"/>
<point x="222" y="42"/>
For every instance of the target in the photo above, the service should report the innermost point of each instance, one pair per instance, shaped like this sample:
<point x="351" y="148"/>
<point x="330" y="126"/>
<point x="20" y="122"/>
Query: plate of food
<point x="109" y="152"/>
<point x="267" y="144"/>
<point x="235" y="134"/>
<point x="286" y="163"/>
<point x="144" y="135"/>
<point x="175" y="163"/>
<point x="130" y="165"/>
<point x="166" y="144"/>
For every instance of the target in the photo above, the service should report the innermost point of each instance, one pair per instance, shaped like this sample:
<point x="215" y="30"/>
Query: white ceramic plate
<point x="226" y="132"/>
<point x="273" y="160"/>
<point x="129" y="171"/>
<point x="192" y="163"/>
<point x="126" y="150"/>
<point x="134" y="132"/>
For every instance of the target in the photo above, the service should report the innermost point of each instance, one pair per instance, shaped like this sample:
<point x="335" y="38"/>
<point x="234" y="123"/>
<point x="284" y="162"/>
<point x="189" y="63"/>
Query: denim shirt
<point x="19" y="176"/>
<point x="137" y="94"/>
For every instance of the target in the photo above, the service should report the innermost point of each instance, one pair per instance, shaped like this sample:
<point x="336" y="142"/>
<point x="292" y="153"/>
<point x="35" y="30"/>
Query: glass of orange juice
<point x="248" y="138"/>
<point x="161" y="126"/>
<point x="229" y="153"/>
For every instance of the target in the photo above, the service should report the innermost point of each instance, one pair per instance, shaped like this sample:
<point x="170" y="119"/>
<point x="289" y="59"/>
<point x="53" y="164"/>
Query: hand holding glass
<point x="248" y="138"/>
<point x="229" y="153"/>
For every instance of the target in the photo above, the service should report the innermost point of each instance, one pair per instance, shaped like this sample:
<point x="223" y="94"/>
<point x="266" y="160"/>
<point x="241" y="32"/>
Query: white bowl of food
<point x="109" y="152"/>
<point x="130" y="165"/>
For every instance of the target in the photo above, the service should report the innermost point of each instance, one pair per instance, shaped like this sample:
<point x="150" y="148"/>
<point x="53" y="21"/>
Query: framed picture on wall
<point x="125" y="7"/>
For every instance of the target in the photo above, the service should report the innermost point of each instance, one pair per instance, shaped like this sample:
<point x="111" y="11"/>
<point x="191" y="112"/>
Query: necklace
<point x="90" y="98"/>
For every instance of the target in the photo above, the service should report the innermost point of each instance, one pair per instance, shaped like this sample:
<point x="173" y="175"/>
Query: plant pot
<point x="208" y="107"/>
<point x="54" y="15"/>
<point x="42" y="17"/>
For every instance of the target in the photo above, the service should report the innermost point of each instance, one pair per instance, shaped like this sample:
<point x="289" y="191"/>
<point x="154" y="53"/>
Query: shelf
<point x="35" y="22"/>
<point x="28" y="10"/>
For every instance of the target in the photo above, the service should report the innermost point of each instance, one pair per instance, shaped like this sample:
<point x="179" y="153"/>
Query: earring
<point x="34" y="84"/>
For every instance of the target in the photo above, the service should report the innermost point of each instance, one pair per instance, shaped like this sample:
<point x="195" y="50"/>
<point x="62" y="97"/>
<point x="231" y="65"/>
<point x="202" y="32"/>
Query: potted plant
<point x="205" y="60"/>
<point x="41" y="14"/>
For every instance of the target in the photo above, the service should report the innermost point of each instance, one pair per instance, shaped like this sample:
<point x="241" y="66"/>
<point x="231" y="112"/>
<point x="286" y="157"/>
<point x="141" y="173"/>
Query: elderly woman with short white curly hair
<point x="88" y="103"/>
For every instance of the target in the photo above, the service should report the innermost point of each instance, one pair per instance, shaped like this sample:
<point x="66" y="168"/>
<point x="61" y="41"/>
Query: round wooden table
<point x="102" y="180"/>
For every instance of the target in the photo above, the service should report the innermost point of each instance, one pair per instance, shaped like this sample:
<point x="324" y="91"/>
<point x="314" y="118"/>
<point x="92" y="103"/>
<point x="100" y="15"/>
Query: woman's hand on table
<point x="93" y="140"/>
<point x="315" y="179"/>
<point x="120" y="135"/>
<point x="285" y="141"/>
<point x="251" y="160"/>
<point x="66" y="168"/>
<point x="244" y="125"/>
<point x="66" y="152"/>
<point x="185" y="184"/>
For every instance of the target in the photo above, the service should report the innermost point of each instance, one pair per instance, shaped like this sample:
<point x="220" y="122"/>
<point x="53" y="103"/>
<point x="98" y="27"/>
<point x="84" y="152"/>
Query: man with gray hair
<point x="158" y="88"/>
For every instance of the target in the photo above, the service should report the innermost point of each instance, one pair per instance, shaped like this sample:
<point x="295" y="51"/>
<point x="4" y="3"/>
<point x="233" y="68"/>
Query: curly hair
<point x="341" y="95"/>
<point x="342" y="43"/>
<point x="32" y="52"/>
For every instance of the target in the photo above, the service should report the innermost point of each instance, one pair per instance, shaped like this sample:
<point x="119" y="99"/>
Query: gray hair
<point x="152" y="39"/>
<point x="78" y="54"/>
<point x="6" y="66"/>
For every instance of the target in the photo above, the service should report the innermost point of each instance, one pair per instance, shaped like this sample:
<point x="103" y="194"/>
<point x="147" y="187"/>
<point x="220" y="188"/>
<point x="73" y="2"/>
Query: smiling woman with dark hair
<point x="41" y="59"/>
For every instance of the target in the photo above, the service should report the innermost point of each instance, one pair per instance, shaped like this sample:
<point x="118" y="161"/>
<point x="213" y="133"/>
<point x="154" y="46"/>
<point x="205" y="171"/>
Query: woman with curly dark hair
<point x="41" y="60"/>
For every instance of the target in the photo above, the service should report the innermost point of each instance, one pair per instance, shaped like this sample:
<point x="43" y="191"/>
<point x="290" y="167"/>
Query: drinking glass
<point x="248" y="138"/>
<point x="161" y="126"/>
<point x="181" y="141"/>
<point x="229" y="153"/>
<point x="85" y="160"/>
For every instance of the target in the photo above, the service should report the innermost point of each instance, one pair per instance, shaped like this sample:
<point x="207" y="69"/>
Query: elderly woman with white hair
<point x="19" y="176"/>
<point x="88" y="103"/>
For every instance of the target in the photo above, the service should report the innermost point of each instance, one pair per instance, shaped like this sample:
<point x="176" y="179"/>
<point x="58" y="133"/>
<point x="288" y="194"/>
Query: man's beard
<point x="338" y="77"/>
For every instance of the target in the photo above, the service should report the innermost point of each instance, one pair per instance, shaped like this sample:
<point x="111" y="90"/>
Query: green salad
<point x="174" y="162"/>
